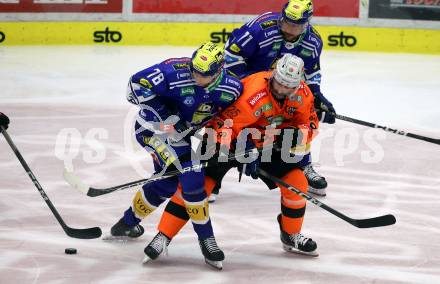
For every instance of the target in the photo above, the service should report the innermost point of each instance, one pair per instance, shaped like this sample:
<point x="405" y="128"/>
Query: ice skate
<point x="317" y="183"/>
<point x="297" y="243"/>
<point x="214" y="256"/>
<point x="212" y="198"/>
<point x="156" y="247"/>
<point x="123" y="232"/>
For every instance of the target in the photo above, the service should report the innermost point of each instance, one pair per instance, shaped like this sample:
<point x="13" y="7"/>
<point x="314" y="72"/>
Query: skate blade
<point x="146" y="259"/>
<point x="121" y="239"/>
<point x="212" y="198"/>
<point x="215" y="264"/>
<point x="297" y="251"/>
<point x="317" y="192"/>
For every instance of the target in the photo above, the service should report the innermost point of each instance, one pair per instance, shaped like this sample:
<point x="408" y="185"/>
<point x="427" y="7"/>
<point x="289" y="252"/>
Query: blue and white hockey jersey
<point x="258" y="44"/>
<point x="168" y="89"/>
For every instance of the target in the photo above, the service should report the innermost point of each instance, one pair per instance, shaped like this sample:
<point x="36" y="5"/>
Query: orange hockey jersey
<point x="257" y="108"/>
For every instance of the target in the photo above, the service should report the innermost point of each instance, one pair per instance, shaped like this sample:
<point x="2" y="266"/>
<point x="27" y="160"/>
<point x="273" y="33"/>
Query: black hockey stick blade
<point x="93" y="192"/>
<point x="88" y="233"/>
<point x="381" y="221"/>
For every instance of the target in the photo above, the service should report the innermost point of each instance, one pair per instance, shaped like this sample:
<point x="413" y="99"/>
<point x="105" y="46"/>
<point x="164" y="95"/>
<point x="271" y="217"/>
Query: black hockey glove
<point x="324" y="108"/>
<point x="4" y="120"/>
<point x="251" y="168"/>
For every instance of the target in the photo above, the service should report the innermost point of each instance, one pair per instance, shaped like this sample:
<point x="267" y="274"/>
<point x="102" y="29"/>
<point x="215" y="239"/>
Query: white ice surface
<point x="47" y="89"/>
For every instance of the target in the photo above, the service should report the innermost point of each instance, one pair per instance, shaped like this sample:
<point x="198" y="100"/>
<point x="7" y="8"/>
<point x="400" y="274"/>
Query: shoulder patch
<point x="144" y="82"/>
<point x="268" y="24"/>
<point x="235" y="48"/>
<point x="180" y="66"/>
<point x="233" y="82"/>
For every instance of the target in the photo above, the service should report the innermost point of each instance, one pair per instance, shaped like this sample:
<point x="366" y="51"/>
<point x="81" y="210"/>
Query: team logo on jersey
<point x="144" y="82"/>
<point x="296" y="98"/>
<point x="183" y="75"/>
<point x="268" y="24"/>
<point x="226" y="97"/>
<point x="305" y="52"/>
<point x="189" y="101"/>
<point x="254" y="99"/>
<point x="202" y="113"/>
<point x="276" y="45"/>
<point x="180" y="66"/>
<point x="263" y="108"/>
<point x="290" y="110"/>
<point x="277" y="120"/>
<point x="235" y="48"/>
<point x="187" y="91"/>
<point x="233" y="82"/>
<point x="268" y="34"/>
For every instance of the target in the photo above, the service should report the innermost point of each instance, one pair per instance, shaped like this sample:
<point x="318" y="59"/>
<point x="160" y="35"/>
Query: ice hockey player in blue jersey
<point x="257" y="45"/>
<point x="184" y="93"/>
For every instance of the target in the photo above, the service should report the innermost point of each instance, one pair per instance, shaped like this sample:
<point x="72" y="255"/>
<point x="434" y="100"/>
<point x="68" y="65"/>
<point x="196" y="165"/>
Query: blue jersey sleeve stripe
<point x="271" y="42"/>
<point x="231" y="90"/>
<point x="181" y="82"/>
<point x="270" y="39"/>
<point x="182" y="85"/>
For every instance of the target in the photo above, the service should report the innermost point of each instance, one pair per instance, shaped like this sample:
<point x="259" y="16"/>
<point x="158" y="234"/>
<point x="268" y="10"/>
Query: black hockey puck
<point x="70" y="250"/>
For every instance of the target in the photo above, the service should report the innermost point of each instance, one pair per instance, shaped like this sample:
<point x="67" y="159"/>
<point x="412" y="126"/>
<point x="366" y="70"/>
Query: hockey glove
<point x="251" y="168"/>
<point x="4" y="121"/>
<point x="180" y="130"/>
<point x="324" y="108"/>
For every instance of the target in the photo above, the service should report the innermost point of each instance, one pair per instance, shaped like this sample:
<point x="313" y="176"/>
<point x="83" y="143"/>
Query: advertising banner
<point x="193" y="34"/>
<point x="60" y="6"/>
<point x="405" y="9"/>
<point x="323" y="8"/>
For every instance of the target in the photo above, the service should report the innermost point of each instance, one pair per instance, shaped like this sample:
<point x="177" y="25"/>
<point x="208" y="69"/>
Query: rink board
<point x="192" y="34"/>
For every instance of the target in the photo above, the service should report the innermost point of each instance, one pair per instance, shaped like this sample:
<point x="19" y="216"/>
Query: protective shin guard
<point x="198" y="212"/>
<point x="143" y="204"/>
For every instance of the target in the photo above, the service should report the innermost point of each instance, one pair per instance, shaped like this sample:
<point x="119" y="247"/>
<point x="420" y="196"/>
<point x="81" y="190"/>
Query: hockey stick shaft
<point x="89" y="233"/>
<point x="385" y="128"/>
<point x="380" y="221"/>
<point x="76" y="183"/>
<point x="93" y="192"/>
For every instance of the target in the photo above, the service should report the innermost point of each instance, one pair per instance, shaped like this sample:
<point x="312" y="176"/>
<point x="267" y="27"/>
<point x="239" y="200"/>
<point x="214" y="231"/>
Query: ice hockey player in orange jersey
<point x="271" y="101"/>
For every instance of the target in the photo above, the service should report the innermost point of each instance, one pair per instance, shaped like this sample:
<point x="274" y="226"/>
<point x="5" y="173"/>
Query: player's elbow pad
<point x="136" y="94"/>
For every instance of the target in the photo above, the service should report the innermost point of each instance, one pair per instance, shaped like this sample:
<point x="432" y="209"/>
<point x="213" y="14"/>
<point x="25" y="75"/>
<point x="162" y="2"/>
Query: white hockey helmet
<point x="289" y="71"/>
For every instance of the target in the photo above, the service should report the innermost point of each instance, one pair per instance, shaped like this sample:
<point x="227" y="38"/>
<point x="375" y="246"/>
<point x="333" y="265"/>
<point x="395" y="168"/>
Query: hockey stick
<point x="89" y="233"/>
<point x="395" y="131"/>
<point x="380" y="221"/>
<point x="77" y="183"/>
